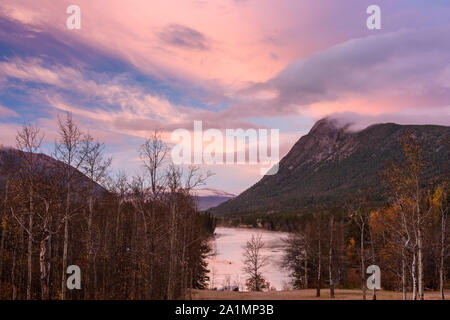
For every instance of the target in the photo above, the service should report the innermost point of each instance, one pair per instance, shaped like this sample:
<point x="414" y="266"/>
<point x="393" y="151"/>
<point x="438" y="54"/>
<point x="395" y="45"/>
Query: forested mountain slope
<point x="329" y="164"/>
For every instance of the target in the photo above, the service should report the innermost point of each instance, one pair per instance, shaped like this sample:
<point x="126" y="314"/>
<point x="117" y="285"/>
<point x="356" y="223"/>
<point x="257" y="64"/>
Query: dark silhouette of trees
<point x="133" y="238"/>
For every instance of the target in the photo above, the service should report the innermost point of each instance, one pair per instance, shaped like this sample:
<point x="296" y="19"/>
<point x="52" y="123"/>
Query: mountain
<point x="207" y="198"/>
<point x="10" y="160"/>
<point x="331" y="163"/>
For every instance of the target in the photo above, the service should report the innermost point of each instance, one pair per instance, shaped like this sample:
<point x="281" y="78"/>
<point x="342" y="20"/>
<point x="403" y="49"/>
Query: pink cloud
<point x="271" y="58"/>
<point x="7" y="113"/>
<point x="372" y="75"/>
<point x="8" y="134"/>
<point x="240" y="42"/>
<point x="142" y="30"/>
<point x="132" y="110"/>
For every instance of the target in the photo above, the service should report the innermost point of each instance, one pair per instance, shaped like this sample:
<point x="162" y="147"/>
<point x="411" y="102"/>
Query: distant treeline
<point x="287" y="222"/>
<point x="133" y="238"/>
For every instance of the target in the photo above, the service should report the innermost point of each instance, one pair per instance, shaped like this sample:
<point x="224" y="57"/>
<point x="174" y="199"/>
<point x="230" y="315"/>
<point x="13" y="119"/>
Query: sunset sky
<point x="139" y="65"/>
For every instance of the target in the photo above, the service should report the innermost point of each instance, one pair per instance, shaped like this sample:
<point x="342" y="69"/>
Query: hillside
<point x="330" y="163"/>
<point x="207" y="198"/>
<point x="10" y="160"/>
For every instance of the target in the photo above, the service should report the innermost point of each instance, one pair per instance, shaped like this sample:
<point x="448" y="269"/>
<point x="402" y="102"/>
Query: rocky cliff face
<point x="330" y="163"/>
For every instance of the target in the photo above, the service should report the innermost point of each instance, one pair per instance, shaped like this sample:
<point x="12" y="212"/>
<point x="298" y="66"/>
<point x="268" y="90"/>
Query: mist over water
<point x="227" y="260"/>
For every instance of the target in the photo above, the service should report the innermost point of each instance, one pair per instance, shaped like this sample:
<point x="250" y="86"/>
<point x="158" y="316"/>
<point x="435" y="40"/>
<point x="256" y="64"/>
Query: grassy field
<point x="309" y="294"/>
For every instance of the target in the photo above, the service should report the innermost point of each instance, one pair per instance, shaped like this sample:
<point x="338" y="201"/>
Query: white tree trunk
<point x="442" y="258"/>
<point x="13" y="273"/>
<point x="30" y="245"/>
<point x="44" y="268"/>
<point x="330" y="258"/>
<point x="306" y="270"/>
<point x="404" y="274"/>
<point x="66" y="245"/>
<point x="363" y="271"/>
<point x="171" y="258"/>
<point x="420" y="263"/>
<point x="413" y="275"/>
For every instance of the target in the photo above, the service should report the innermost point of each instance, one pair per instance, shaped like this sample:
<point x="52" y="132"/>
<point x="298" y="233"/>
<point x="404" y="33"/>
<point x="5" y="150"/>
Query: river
<point x="226" y="262"/>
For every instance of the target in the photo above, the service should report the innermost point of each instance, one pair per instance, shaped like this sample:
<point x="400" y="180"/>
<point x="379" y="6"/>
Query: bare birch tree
<point x="405" y="181"/>
<point x="153" y="153"/>
<point x="319" y="254"/>
<point x="440" y="202"/>
<point x="254" y="262"/>
<point x="330" y="256"/>
<point x="28" y="141"/>
<point x="95" y="167"/>
<point x="68" y="150"/>
<point x="361" y="217"/>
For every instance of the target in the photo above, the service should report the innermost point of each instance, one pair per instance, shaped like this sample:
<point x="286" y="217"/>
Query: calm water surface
<point x="226" y="263"/>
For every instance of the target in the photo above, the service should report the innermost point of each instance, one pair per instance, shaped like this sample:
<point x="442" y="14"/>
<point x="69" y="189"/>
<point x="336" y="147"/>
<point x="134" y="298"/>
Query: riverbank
<point x="307" y="294"/>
